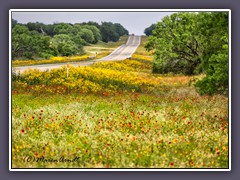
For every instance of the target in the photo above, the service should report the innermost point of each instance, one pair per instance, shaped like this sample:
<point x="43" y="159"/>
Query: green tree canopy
<point x="87" y="35"/>
<point x="29" y="44"/>
<point x="192" y="43"/>
<point x="96" y="32"/>
<point x="63" y="28"/>
<point x="175" y="43"/>
<point x="112" y="32"/>
<point x="213" y="32"/>
<point x="63" y="45"/>
<point x="40" y="40"/>
<point x="14" y="23"/>
<point x="148" y="31"/>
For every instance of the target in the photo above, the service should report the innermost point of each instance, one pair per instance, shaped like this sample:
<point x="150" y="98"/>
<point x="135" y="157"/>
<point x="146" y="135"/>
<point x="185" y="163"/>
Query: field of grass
<point x="115" y="115"/>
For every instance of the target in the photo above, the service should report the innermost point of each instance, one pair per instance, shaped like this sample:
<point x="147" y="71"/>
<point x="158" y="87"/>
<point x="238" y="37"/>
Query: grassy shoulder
<point x="141" y="53"/>
<point x="152" y="121"/>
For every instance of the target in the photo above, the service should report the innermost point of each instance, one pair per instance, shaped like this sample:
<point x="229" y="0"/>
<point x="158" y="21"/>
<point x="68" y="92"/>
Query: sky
<point x="134" y="22"/>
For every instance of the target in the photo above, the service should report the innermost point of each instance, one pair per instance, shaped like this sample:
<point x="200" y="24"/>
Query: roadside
<point x="118" y="54"/>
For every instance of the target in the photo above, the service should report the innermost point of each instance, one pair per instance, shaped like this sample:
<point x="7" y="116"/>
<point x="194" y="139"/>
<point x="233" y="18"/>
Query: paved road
<point x="122" y="52"/>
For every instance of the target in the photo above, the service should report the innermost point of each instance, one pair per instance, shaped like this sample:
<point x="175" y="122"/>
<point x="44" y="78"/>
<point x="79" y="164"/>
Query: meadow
<point x="116" y="115"/>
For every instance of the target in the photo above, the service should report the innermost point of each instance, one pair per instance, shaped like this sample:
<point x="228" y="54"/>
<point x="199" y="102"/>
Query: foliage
<point x="14" y="23"/>
<point x="216" y="80"/>
<point x="175" y="43"/>
<point x="120" y="30"/>
<point x="91" y="23"/>
<point x="63" y="45"/>
<point x="87" y="35"/>
<point x="188" y="42"/>
<point x="29" y="44"/>
<point x="63" y="28"/>
<point x="38" y="40"/>
<point x="213" y="30"/>
<point x="112" y="32"/>
<point x="45" y="29"/>
<point x="149" y="30"/>
<point x="96" y="32"/>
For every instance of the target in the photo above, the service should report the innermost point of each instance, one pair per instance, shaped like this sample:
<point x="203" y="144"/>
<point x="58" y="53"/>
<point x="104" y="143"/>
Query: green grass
<point x="102" y="47"/>
<point x="111" y="44"/>
<point x="141" y="49"/>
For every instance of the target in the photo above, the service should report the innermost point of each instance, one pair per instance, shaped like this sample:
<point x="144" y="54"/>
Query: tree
<point x="91" y="23"/>
<point x="176" y="45"/>
<point x="63" y="28"/>
<point x="192" y="43"/>
<point x="108" y="32"/>
<point x="14" y="23"/>
<point x="87" y="35"/>
<point x="35" y="39"/>
<point x="120" y="29"/>
<point x="79" y="41"/>
<point x="29" y="44"/>
<point x="49" y="29"/>
<point x="45" y="29"/>
<point x="149" y="31"/>
<point x="216" y="80"/>
<point x="63" y="45"/>
<point x="96" y="32"/>
<point x="213" y="32"/>
<point x="211" y="28"/>
<point x="76" y="29"/>
<point x="112" y="32"/>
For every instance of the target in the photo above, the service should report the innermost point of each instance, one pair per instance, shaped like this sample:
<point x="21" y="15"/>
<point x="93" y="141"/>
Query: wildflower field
<point x="115" y="115"/>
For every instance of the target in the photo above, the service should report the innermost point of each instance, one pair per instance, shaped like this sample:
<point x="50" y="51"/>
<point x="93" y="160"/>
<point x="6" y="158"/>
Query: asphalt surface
<point x="122" y="52"/>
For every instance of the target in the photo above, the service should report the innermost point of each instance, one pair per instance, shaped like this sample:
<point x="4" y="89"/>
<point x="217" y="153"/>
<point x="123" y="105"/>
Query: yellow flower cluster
<point x="142" y="57"/>
<point x="87" y="79"/>
<point x="126" y="65"/>
<point x="56" y="59"/>
<point x="102" y="54"/>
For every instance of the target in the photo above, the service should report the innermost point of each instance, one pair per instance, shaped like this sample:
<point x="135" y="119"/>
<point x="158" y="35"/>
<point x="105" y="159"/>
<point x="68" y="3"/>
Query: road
<point x="122" y="52"/>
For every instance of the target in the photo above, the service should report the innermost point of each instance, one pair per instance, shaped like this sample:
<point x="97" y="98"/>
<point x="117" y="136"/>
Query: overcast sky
<point x="134" y="22"/>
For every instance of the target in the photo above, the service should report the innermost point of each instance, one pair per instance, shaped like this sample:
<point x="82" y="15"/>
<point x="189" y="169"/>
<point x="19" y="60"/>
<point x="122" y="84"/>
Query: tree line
<point x="38" y="40"/>
<point x="192" y="43"/>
